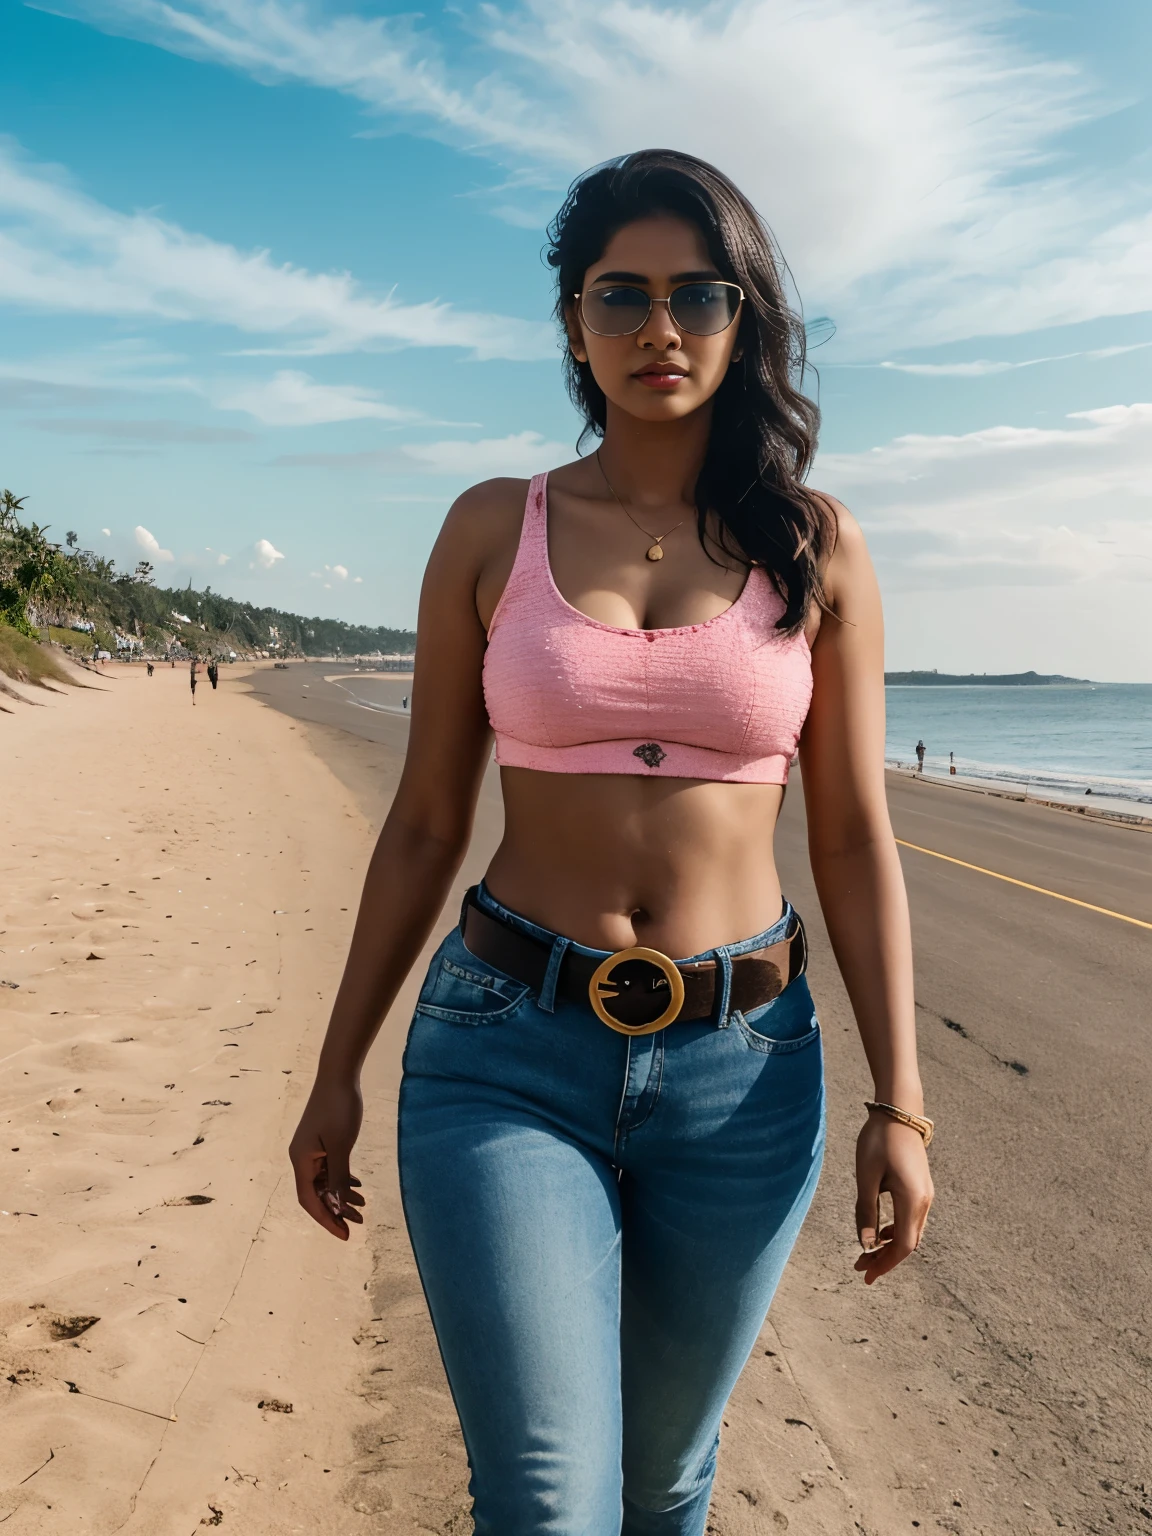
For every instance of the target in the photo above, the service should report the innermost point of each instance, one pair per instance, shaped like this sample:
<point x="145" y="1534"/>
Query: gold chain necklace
<point x="654" y="551"/>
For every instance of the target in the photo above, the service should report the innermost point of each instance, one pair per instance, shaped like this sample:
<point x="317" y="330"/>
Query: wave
<point x="1053" y="783"/>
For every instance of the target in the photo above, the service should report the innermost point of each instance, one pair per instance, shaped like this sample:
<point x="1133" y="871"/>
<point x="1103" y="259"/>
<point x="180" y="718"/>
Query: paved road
<point x="1003" y="1382"/>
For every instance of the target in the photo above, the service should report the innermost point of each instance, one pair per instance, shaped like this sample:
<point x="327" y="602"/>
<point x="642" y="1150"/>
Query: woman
<point x="606" y="1153"/>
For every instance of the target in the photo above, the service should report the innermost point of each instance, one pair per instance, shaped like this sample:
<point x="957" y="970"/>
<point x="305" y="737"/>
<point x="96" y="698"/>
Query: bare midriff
<point x="613" y="860"/>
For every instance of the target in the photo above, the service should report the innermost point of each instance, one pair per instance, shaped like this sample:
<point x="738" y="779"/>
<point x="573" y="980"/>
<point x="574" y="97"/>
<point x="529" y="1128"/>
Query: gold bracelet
<point x="919" y="1123"/>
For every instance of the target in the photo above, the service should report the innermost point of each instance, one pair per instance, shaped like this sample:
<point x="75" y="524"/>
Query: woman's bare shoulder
<point x="484" y="522"/>
<point x="847" y="544"/>
<point x="482" y="528"/>
<point x="495" y="505"/>
<point x="487" y="510"/>
<point x="848" y="576"/>
<point x="837" y="513"/>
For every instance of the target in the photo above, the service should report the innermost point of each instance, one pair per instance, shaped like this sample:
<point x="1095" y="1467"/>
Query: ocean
<point x="1056" y="740"/>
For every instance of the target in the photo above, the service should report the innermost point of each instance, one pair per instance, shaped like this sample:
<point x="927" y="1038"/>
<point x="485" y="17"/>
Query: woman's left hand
<point x="891" y="1157"/>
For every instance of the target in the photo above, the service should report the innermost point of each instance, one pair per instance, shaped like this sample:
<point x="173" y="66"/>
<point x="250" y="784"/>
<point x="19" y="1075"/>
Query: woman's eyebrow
<point x="619" y="277"/>
<point x="704" y="275"/>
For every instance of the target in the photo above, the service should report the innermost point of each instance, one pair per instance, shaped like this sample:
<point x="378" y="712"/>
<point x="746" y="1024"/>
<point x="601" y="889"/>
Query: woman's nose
<point x="659" y="332"/>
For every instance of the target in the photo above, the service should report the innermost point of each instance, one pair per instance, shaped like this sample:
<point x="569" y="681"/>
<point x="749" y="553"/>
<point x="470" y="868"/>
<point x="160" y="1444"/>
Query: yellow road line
<point x="980" y="870"/>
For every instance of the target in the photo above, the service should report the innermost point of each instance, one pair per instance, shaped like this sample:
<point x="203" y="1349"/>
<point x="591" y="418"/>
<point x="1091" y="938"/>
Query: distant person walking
<point x="150" y="669"/>
<point x="951" y="762"/>
<point x="920" y="750"/>
<point x="213" y="674"/>
<point x="192" y="678"/>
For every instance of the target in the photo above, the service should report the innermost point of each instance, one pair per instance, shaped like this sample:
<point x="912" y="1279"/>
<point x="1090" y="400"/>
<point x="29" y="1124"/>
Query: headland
<point x="934" y="679"/>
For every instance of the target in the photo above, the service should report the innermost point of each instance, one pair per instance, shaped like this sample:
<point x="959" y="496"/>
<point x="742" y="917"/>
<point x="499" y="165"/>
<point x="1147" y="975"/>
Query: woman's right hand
<point x="320" y="1151"/>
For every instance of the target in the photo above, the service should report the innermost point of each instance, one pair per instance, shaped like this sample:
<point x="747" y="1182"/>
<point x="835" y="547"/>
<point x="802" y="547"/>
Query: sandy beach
<point x="178" y="886"/>
<point x="176" y="894"/>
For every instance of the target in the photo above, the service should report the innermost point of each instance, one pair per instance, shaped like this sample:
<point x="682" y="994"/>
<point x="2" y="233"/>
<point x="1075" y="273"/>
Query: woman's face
<point x="660" y="372"/>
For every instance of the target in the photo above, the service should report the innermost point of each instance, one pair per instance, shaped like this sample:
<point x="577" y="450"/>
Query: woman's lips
<point x="656" y="380"/>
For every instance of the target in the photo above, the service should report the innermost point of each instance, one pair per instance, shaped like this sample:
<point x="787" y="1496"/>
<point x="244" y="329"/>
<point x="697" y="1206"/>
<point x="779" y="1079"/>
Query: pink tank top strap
<point x="534" y="530"/>
<point x="530" y="568"/>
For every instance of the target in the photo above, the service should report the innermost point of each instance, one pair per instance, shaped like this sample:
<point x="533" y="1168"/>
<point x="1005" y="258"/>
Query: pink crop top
<point x="566" y="694"/>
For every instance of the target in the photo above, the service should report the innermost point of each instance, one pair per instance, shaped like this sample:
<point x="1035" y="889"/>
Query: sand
<point x="177" y="894"/>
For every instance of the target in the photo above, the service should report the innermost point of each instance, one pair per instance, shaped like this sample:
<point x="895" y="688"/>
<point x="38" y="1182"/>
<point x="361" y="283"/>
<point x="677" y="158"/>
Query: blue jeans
<point x="600" y="1223"/>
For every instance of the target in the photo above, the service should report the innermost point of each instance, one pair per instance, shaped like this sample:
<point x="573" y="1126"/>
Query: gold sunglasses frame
<point x="611" y="335"/>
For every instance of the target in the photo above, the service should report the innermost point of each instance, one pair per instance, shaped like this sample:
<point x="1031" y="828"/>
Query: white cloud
<point x="981" y="367"/>
<point x="152" y="430"/>
<point x="521" y="453"/>
<point x="64" y="252"/>
<point x="1008" y="506"/>
<point x="978" y="368"/>
<point x="292" y="399"/>
<point x="150" y="544"/>
<point x="903" y="150"/>
<point x="266" y="554"/>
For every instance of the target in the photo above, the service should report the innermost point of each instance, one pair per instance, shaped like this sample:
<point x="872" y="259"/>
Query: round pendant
<point x="655" y="553"/>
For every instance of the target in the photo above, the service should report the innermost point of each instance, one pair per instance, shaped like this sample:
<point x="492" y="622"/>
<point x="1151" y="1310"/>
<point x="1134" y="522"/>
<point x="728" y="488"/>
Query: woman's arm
<point x="861" y="889"/>
<point x="418" y="853"/>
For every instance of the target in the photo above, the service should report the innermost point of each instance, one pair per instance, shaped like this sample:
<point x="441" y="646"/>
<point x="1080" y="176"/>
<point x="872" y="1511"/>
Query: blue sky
<point x="271" y="289"/>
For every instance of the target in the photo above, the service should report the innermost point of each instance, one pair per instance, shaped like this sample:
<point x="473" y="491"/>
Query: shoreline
<point x="1113" y="810"/>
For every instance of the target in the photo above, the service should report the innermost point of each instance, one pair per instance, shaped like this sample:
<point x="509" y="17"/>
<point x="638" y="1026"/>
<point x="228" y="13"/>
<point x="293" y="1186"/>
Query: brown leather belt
<point x="636" y="991"/>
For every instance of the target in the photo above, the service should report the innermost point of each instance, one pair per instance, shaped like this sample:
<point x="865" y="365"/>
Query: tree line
<point x="43" y="583"/>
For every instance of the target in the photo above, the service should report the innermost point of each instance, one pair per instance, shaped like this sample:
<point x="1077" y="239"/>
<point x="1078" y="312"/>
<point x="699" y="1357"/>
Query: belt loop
<point x="546" y="1002"/>
<point x="468" y="901"/>
<point x="724" y="971"/>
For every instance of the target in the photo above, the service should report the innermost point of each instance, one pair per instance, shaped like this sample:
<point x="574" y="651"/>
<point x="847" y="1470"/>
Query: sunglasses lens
<point x="614" y="311"/>
<point x="704" y="309"/>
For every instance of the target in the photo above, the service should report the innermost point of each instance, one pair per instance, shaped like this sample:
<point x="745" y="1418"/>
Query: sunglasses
<point x="701" y="309"/>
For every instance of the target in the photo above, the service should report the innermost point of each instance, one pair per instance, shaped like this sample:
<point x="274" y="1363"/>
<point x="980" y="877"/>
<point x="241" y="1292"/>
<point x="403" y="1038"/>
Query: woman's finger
<point x="899" y="1240"/>
<point x="867" y="1205"/>
<point x="340" y="1181"/>
<point x="309" y="1174"/>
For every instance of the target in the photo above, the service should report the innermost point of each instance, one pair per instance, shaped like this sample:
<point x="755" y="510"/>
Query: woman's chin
<point x="648" y="404"/>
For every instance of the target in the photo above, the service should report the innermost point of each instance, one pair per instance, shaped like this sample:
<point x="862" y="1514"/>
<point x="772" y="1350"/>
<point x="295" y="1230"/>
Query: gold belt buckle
<point x="634" y="984"/>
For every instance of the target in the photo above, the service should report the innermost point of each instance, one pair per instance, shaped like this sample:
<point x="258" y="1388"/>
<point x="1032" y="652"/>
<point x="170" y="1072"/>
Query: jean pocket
<point x="787" y="1023"/>
<point x="462" y="990"/>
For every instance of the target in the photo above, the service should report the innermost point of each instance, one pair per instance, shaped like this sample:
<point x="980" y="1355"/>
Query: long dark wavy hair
<point x="763" y="427"/>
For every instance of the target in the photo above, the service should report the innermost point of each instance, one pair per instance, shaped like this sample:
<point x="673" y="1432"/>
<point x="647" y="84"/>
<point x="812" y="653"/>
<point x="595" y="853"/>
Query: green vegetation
<point x="33" y="572"/>
<point x="24" y="661"/>
<point x="81" y="600"/>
